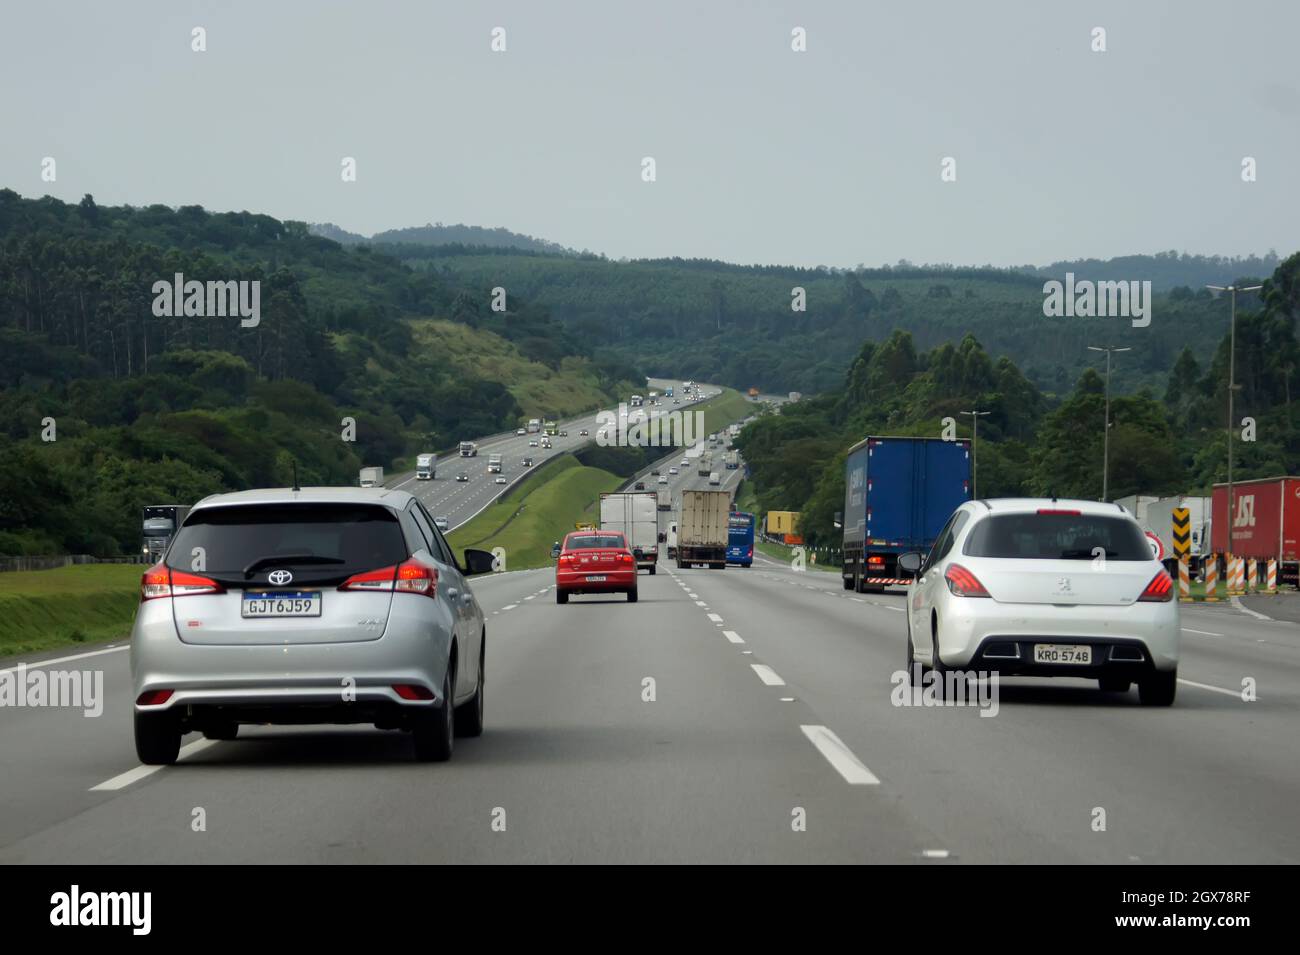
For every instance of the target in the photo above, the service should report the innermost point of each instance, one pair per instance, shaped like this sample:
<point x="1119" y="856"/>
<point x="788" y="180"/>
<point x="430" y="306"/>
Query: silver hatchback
<point x="312" y="605"/>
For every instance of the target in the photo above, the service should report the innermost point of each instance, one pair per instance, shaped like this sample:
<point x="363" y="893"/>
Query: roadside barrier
<point x="1272" y="575"/>
<point x="1212" y="577"/>
<point x="1184" y="580"/>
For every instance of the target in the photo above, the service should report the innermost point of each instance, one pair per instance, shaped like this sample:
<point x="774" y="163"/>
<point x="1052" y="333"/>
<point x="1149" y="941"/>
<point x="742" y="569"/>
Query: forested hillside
<point x="106" y="406"/>
<point x="735" y="323"/>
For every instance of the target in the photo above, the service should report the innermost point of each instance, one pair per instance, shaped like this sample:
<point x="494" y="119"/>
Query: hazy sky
<point x="830" y="156"/>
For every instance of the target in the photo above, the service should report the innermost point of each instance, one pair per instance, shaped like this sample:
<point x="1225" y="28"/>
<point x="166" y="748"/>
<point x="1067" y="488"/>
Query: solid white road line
<point x="1236" y="602"/>
<point x="125" y="779"/>
<point x="76" y="656"/>
<point x="1206" y="633"/>
<point x="1213" y="689"/>
<point x="767" y="674"/>
<point x="840" y="756"/>
<point x="732" y="636"/>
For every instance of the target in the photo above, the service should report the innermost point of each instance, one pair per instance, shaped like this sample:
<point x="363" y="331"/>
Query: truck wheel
<point x="653" y="568"/>
<point x="848" y="583"/>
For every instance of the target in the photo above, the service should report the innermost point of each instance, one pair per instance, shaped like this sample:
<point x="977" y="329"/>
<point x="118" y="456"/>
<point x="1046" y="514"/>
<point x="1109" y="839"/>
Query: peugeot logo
<point x="279" y="577"/>
<point x="1063" y="586"/>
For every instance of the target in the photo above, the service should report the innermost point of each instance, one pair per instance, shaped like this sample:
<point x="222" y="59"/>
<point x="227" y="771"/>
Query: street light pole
<point x="1232" y="384"/>
<point x="1105" y="441"/>
<point x="974" y="450"/>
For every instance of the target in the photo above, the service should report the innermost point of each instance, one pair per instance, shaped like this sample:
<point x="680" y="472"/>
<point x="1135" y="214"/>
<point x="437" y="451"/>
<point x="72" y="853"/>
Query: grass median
<point x="539" y="512"/>
<point x="87" y="603"/>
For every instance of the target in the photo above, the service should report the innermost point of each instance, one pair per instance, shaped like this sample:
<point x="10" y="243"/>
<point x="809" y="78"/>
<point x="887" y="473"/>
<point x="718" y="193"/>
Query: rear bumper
<point x="616" y="581"/>
<point x="968" y="626"/>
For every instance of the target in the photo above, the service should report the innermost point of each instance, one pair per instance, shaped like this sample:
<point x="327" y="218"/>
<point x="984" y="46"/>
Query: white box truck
<point x="703" y="528"/>
<point x="636" y="514"/>
<point x="468" y="449"/>
<point x="715" y="478"/>
<point x="426" y="467"/>
<point x="665" y="499"/>
<point x="494" y="464"/>
<point x="372" y="477"/>
<point x="672" y="540"/>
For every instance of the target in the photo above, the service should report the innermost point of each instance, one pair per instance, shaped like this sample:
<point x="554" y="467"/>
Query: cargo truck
<point x="636" y="515"/>
<point x="732" y="459"/>
<point x="665" y="497"/>
<point x="494" y="463"/>
<point x="898" y="494"/>
<point x="468" y="449"/>
<point x="1265" y="523"/>
<point x="672" y="540"/>
<point x="534" y="425"/>
<point x="740" y="538"/>
<point x="1156" y="516"/>
<point x="158" y="525"/>
<point x="426" y="467"/>
<point x="371" y="477"/>
<point x="705" y="465"/>
<point x="703" y="529"/>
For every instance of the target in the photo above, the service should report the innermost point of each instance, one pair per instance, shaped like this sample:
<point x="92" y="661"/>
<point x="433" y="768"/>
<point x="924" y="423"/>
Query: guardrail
<point x="52" y="561"/>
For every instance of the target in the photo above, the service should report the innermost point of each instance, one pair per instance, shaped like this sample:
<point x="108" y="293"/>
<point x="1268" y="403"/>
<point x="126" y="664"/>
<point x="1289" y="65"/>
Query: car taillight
<point x="410" y="691"/>
<point x="875" y="561"/>
<point x="416" y="578"/>
<point x="1160" y="590"/>
<point x="567" y="558"/>
<point x="153" y="697"/>
<point x="626" y="558"/>
<point x="380" y="579"/>
<point x="963" y="583"/>
<point x="162" y="581"/>
<point x="1058" y="510"/>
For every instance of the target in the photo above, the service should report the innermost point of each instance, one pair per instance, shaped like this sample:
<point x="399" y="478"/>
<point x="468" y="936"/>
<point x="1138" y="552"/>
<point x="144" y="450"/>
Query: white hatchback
<point x="1036" y="587"/>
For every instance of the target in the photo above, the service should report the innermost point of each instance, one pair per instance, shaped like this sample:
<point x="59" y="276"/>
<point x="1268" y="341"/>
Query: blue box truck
<point x="898" y="493"/>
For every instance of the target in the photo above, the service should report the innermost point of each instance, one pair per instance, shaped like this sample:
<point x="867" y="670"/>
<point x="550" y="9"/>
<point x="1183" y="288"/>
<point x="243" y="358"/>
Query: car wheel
<point x="1115" y="684"/>
<point x="1158" y="688"/>
<point x="157" y="738"/>
<point x="224" y="730"/>
<point x="913" y="677"/>
<point x="631" y="596"/>
<point x="434" y="727"/>
<point x="469" y="716"/>
<point x="653" y="568"/>
<point x="561" y="596"/>
<point x="938" y="669"/>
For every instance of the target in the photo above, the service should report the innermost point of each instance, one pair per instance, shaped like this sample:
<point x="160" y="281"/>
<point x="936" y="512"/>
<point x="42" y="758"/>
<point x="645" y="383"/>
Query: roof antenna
<point x="295" y="474"/>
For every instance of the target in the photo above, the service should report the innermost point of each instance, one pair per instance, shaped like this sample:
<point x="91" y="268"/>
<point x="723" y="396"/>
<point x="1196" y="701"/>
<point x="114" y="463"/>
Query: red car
<point x="594" y="562"/>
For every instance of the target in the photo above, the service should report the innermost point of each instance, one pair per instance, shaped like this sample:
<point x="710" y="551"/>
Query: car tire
<point x="913" y="677"/>
<point x="653" y="569"/>
<point x="157" y="738"/>
<point x="469" y="716"/>
<point x="1158" y="688"/>
<point x="938" y="669"/>
<point x="434" y="727"/>
<point x="631" y="596"/>
<point x="223" y="731"/>
<point x="1115" y="684"/>
<point x="847" y="582"/>
<point x="561" y="596"/>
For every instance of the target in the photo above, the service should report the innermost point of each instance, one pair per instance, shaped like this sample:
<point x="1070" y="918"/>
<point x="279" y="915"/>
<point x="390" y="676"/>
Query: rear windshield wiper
<point x="289" y="559"/>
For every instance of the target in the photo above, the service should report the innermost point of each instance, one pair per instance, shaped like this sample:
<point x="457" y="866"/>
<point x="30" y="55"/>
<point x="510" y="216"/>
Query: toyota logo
<point x="279" y="577"/>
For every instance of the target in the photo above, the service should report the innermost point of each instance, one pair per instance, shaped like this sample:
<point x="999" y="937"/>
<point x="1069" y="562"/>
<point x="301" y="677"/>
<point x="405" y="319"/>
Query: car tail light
<point x="162" y="581"/>
<point x="410" y="691"/>
<point x="416" y="578"/>
<point x="1160" y="590"/>
<point x="626" y="558"/>
<point x="875" y="561"/>
<point x="153" y="697"/>
<point x="963" y="583"/>
<point x="380" y="579"/>
<point x="1059" y="510"/>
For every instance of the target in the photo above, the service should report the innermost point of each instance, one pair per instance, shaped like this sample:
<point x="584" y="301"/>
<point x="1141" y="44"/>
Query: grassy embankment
<point x="43" y="609"/>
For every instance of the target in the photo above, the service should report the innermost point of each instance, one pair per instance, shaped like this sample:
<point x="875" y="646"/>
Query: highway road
<point x="771" y="703"/>
<point x="459" y="501"/>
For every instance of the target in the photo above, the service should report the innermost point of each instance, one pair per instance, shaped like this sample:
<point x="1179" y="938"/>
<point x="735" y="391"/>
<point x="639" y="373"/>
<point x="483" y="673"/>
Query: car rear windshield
<point x="596" y="540"/>
<point x="333" y="537"/>
<point x="1057" y="537"/>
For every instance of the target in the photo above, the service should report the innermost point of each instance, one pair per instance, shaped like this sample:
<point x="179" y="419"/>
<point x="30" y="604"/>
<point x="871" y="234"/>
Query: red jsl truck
<point x="1265" y="522"/>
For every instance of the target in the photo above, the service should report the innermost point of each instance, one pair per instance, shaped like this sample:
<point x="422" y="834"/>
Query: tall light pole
<point x="974" y="450"/>
<point x="1232" y="382"/>
<point x="1105" y="441"/>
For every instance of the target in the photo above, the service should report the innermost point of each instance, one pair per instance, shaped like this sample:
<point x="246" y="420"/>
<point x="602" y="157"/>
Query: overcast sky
<point x="830" y="156"/>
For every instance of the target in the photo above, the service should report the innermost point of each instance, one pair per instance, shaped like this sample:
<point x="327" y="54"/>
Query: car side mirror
<point x="910" y="562"/>
<point x="555" y="551"/>
<point x="478" y="562"/>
